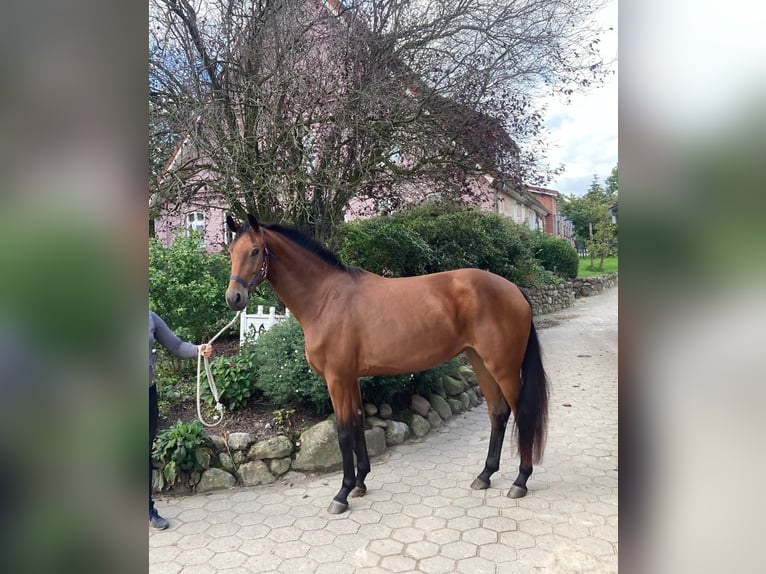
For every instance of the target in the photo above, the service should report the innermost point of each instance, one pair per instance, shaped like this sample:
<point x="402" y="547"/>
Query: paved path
<point x="420" y="514"/>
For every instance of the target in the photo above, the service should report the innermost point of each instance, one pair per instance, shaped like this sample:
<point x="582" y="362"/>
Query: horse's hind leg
<point x="360" y="449"/>
<point x="499" y="412"/>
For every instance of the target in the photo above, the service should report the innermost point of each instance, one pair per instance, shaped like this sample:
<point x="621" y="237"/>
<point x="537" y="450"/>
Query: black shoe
<point x="157" y="522"/>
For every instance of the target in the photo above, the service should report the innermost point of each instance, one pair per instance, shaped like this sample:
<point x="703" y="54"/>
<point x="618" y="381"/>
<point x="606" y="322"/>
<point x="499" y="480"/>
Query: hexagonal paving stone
<point x="517" y="540"/>
<point x="497" y="553"/>
<point x="408" y="534"/>
<point x="285" y="534"/>
<point x="480" y="536"/>
<point x="397" y="563"/>
<point x="421" y="549"/>
<point x="476" y="565"/>
<point x="164" y="554"/>
<point x="225" y="544"/>
<point x="317" y="537"/>
<point x="326" y="553"/>
<point x="194" y="557"/>
<point x="292" y="549"/>
<point x="443" y="536"/>
<point x="428" y="523"/>
<point x="298" y="566"/>
<point x="385" y="547"/>
<point x="459" y="550"/>
<point x="437" y="565"/>
<point x="535" y="527"/>
<point x="227" y="560"/>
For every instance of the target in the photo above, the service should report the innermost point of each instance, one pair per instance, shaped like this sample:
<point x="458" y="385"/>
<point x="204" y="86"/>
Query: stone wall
<point x="552" y="298"/>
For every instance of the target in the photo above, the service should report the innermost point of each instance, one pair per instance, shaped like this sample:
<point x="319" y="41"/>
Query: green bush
<point x="556" y="255"/>
<point x="282" y="372"/>
<point x="437" y="236"/>
<point x="386" y="247"/>
<point x="182" y="449"/>
<point x="187" y="286"/>
<point x="234" y="379"/>
<point x="285" y="377"/>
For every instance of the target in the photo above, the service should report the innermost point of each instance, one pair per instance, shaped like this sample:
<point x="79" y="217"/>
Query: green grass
<point x="584" y="270"/>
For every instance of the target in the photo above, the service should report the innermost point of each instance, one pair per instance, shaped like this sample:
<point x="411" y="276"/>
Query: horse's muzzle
<point x="236" y="297"/>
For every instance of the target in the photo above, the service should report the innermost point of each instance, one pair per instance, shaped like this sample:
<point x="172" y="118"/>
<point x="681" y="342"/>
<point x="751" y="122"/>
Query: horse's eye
<point x="255" y="252"/>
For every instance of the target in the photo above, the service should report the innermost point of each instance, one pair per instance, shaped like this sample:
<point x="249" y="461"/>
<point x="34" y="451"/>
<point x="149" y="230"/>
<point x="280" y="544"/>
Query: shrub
<point x="182" y="449"/>
<point x="556" y="255"/>
<point x="282" y="372"/>
<point x="437" y="236"/>
<point x="234" y="379"/>
<point x="186" y="287"/>
<point x="386" y="247"/>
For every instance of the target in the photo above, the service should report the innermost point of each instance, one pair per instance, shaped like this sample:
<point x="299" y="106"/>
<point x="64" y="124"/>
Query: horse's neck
<point x="299" y="278"/>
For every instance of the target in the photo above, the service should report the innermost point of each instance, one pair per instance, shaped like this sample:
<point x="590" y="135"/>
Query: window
<point x="195" y="221"/>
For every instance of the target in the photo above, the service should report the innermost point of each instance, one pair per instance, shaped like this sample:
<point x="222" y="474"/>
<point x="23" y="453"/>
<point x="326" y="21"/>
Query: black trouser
<point x="154" y="417"/>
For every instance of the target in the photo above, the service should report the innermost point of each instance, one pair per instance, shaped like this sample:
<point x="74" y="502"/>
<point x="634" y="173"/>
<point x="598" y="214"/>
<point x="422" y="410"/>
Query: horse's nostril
<point x="238" y="298"/>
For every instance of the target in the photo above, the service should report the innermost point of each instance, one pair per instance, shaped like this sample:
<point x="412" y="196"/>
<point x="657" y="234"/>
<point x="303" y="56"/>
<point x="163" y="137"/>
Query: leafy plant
<point x="234" y="378"/>
<point x="182" y="449"/>
<point x="283" y="374"/>
<point x="186" y="286"/>
<point x="437" y="236"/>
<point x="282" y="420"/>
<point x="556" y="255"/>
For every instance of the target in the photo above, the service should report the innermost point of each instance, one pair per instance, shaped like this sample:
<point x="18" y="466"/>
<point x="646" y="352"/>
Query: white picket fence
<point x="252" y="325"/>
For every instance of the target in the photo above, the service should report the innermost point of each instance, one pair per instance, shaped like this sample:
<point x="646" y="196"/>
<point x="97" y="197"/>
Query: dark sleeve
<point x="165" y="337"/>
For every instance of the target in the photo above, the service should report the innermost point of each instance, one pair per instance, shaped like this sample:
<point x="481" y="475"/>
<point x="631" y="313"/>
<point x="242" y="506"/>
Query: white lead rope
<point x="210" y="381"/>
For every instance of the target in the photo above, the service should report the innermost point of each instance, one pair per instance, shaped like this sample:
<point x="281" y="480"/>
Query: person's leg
<point x="154" y="415"/>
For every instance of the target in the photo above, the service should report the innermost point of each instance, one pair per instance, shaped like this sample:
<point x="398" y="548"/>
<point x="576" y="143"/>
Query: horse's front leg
<point x="346" y="402"/>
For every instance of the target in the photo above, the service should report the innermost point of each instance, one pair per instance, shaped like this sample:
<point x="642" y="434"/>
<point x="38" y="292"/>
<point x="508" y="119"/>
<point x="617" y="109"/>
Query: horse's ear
<point x="253" y="222"/>
<point x="231" y="224"/>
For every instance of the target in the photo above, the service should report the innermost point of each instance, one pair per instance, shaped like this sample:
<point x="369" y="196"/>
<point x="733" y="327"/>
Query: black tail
<point x="532" y="420"/>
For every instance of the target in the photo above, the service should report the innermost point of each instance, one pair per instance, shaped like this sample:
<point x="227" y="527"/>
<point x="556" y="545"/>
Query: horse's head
<point x="249" y="261"/>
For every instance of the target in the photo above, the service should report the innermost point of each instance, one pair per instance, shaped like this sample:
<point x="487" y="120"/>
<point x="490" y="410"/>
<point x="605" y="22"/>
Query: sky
<point x="583" y="133"/>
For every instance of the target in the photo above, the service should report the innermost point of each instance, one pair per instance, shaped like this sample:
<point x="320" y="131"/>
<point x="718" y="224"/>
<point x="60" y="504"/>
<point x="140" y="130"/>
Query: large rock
<point x="240" y="440"/>
<point x="396" y="433"/>
<point x="215" y="479"/>
<point x="440" y="406"/>
<point x="255" y="473"/>
<point x="279" y="466"/>
<point x="370" y="410"/>
<point x="420" y="405"/>
<point x="319" y="449"/>
<point x="385" y="412"/>
<point x="463" y="398"/>
<point x="473" y="398"/>
<point x="376" y="441"/>
<point x="468" y="375"/>
<point x="227" y="462"/>
<point x="373" y="422"/>
<point x="276" y="447"/>
<point x="452" y="386"/>
<point x="455" y="405"/>
<point x="434" y="420"/>
<point x="420" y="426"/>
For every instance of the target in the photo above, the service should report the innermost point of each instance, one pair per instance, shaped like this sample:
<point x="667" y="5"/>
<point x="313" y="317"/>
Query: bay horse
<point x="360" y="324"/>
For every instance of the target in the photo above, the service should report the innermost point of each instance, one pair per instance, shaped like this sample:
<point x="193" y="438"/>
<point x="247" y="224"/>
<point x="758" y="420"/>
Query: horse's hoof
<point x="357" y="492"/>
<point x="517" y="491"/>
<point x="337" y="507"/>
<point x="479" y="484"/>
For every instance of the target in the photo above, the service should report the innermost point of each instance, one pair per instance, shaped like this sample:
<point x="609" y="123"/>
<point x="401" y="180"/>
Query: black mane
<point x="305" y="242"/>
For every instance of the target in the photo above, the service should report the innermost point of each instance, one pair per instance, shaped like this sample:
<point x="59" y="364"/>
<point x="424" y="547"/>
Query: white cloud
<point x="583" y="133"/>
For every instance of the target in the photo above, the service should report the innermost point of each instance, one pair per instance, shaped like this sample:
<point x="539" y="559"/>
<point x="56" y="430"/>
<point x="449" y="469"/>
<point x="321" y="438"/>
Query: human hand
<point x="206" y="350"/>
